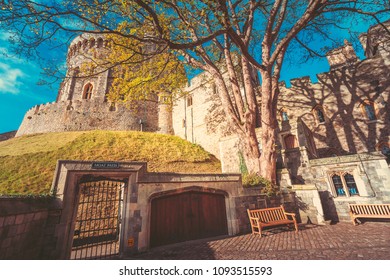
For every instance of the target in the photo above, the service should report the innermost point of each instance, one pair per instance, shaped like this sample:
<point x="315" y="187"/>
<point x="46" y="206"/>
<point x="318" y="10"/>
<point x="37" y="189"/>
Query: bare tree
<point x="226" y="38"/>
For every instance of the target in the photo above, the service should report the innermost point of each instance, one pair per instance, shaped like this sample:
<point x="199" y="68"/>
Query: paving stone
<point x="342" y="241"/>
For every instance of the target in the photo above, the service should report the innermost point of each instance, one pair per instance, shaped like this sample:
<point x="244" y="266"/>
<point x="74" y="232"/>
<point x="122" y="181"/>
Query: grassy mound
<point x="27" y="163"/>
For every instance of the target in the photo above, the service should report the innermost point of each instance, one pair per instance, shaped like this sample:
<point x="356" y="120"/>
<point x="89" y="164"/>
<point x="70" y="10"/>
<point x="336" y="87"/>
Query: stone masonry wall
<point x="371" y="174"/>
<point x="200" y="121"/>
<point x="340" y="93"/>
<point x="82" y="115"/>
<point x="26" y="228"/>
<point x="7" y="135"/>
<point x="237" y="198"/>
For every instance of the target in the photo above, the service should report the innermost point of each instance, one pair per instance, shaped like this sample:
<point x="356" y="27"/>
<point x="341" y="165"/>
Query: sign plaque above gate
<point x="105" y="165"/>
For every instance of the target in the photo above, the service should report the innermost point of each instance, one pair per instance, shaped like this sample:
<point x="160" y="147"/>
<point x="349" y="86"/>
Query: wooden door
<point x="187" y="216"/>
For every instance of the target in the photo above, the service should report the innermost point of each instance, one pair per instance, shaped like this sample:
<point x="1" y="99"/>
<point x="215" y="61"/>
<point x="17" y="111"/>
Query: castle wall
<point x="341" y="94"/>
<point x="92" y="114"/>
<point x="200" y="122"/>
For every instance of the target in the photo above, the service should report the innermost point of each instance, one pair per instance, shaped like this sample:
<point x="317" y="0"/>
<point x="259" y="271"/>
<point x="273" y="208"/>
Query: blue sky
<point x="19" y="77"/>
<point x="18" y="87"/>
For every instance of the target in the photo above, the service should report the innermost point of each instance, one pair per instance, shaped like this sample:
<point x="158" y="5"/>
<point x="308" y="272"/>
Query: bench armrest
<point x="257" y="220"/>
<point x="290" y="214"/>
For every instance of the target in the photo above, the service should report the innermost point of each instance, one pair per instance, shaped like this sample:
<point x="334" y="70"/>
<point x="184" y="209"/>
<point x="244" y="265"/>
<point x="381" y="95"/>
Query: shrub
<point x="255" y="180"/>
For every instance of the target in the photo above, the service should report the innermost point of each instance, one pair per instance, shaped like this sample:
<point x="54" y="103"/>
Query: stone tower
<point x="82" y="102"/>
<point x="83" y="50"/>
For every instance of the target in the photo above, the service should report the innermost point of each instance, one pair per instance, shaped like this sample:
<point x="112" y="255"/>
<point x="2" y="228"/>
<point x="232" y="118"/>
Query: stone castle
<point x="333" y="134"/>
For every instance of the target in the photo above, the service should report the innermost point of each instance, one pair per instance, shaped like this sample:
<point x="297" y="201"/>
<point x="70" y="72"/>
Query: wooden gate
<point x="98" y="220"/>
<point x="187" y="216"/>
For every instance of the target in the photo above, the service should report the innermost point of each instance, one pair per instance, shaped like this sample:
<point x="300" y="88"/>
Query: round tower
<point x="81" y="81"/>
<point x="165" y="114"/>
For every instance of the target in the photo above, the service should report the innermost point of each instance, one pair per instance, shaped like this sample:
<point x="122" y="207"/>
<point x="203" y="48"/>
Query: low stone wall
<point x="26" y="228"/>
<point x="7" y="135"/>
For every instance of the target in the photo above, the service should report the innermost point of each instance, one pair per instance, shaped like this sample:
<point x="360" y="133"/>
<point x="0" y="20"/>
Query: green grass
<point x="27" y="163"/>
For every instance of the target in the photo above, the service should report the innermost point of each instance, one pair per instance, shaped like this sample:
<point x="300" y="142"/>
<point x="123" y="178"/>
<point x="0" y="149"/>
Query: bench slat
<point x="369" y="211"/>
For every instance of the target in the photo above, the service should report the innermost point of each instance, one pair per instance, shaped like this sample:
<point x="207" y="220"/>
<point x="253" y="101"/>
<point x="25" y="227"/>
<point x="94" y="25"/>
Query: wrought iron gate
<point x="98" y="220"/>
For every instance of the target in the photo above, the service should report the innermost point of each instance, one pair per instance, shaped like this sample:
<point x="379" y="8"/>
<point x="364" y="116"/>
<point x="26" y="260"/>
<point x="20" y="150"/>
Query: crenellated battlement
<point x="297" y="82"/>
<point x="86" y="44"/>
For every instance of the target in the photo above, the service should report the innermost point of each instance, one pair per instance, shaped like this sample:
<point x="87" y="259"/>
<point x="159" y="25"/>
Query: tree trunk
<point x="250" y="149"/>
<point x="268" y="128"/>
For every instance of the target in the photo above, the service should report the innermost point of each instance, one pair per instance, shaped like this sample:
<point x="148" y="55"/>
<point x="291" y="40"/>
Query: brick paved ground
<point x="342" y="241"/>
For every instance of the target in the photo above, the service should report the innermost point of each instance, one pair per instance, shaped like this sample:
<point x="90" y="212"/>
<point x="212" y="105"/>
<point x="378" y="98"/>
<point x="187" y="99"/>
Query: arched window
<point x="351" y="185"/>
<point x="319" y="114"/>
<point x="344" y="184"/>
<point x="368" y="109"/>
<point x="112" y="107"/>
<point x="338" y="185"/>
<point x="99" y="43"/>
<point x="91" y="42"/>
<point x="87" y="94"/>
<point x="290" y="141"/>
<point x="384" y="148"/>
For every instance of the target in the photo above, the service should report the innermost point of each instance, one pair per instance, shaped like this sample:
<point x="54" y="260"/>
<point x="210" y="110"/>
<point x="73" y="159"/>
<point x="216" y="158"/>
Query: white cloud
<point x="4" y="36"/>
<point x="9" y="79"/>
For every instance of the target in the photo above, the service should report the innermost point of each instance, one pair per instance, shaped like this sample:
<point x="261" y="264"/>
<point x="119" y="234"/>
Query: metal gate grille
<point x="98" y="221"/>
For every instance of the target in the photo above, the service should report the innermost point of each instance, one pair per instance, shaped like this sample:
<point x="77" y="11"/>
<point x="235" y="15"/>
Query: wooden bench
<point x="269" y="217"/>
<point x="368" y="211"/>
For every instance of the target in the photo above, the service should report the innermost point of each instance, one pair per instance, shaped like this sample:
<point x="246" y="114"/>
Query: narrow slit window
<point x="284" y="116"/>
<point x="320" y="115"/>
<point x="370" y="112"/>
<point x="189" y="101"/>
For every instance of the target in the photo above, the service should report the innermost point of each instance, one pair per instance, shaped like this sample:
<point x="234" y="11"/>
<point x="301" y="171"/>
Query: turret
<point x="343" y="56"/>
<point x="165" y="113"/>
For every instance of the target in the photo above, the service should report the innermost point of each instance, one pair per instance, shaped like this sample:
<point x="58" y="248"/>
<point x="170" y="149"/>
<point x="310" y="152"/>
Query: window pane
<point x="370" y="112"/>
<point x="320" y="114"/>
<point x="351" y="185"/>
<point x="338" y="185"/>
<point x="284" y="116"/>
<point x="385" y="150"/>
